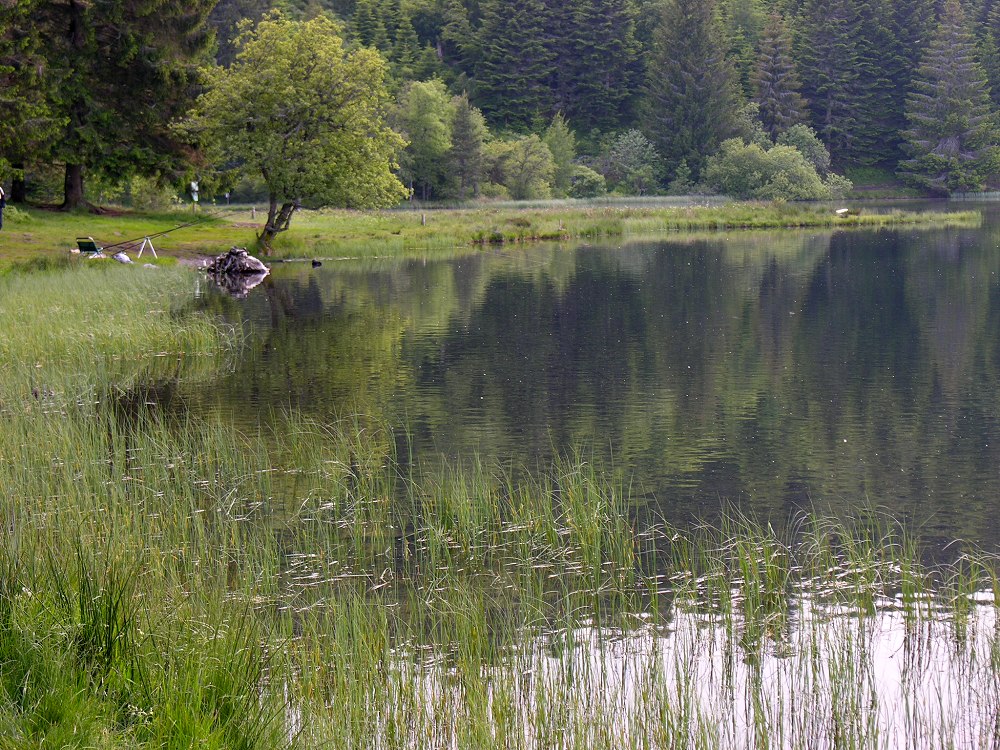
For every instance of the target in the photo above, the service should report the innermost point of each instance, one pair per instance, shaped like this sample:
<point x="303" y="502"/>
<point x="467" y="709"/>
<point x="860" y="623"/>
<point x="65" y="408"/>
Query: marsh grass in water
<point x="83" y="329"/>
<point x="171" y="579"/>
<point x="166" y="581"/>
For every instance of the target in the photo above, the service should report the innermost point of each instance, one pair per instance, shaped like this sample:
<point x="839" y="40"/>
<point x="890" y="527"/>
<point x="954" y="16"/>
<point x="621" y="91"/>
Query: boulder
<point x="236" y="272"/>
<point x="236" y="261"/>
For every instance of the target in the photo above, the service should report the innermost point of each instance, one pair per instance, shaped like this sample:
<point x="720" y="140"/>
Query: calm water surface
<point x="771" y="371"/>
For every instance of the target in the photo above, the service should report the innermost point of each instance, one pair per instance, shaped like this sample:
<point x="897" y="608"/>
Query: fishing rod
<point x="137" y="240"/>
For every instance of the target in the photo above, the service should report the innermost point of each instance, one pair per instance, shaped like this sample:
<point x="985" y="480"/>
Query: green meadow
<point x="30" y="235"/>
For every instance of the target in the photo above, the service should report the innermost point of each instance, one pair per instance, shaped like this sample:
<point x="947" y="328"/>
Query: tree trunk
<point x="278" y="219"/>
<point x="73" y="187"/>
<point x="18" y="187"/>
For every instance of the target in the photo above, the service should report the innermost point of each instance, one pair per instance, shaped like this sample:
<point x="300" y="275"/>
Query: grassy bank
<point x="330" y="233"/>
<point x="168" y="582"/>
<point x="335" y="233"/>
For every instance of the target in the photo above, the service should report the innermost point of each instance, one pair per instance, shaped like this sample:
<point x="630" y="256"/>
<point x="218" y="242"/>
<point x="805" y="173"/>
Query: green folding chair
<point x="88" y="245"/>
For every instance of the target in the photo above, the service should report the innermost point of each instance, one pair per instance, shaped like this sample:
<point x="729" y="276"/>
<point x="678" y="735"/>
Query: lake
<point x="774" y="372"/>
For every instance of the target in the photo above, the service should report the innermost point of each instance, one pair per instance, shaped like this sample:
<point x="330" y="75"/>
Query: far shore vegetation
<point x="383" y="101"/>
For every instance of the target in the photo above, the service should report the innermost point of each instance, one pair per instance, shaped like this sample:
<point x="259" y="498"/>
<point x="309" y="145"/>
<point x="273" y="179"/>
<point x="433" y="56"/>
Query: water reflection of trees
<point x="776" y="370"/>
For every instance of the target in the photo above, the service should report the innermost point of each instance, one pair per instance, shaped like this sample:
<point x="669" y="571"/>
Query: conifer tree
<point x="742" y="23"/>
<point x="953" y="139"/>
<point x="365" y="22"/>
<point x="515" y="65"/>
<point x="468" y="136"/>
<point x="391" y="14"/>
<point x="226" y="17"/>
<point x="912" y="23"/>
<point x="558" y="28"/>
<point x="690" y="97"/>
<point x="989" y="48"/>
<point x="120" y="72"/>
<point x="828" y="62"/>
<point x="459" y="40"/>
<point x="27" y="122"/>
<point x="876" y="133"/>
<point x="562" y="143"/>
<point x="406" y="50"/>
<point x="604" y="65"/>
<point x="776" y="80"/>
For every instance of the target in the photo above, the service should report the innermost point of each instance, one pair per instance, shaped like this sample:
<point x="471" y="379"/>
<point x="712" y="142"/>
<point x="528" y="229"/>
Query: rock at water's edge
<point x="236" y="261"/>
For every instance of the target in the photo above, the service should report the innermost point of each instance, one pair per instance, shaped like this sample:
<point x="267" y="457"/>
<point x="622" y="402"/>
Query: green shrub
<point x="15" y="216"/>
<point x="804" y="138"/>
<point x="492" y="190"/>
<point x="839" y="185"/>
<point x="586" y="183"/>
<point x="147" y="194"/>
<point x="778" y="173"/>
<point x="632" y="163"/>
<point x="682" y="184"/>
<point x="524" y="166"/>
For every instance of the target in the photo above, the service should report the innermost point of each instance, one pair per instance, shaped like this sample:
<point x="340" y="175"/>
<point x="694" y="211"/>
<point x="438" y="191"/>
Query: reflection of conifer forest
<point x="782" y="370"/>
<point x="517" y="98"/>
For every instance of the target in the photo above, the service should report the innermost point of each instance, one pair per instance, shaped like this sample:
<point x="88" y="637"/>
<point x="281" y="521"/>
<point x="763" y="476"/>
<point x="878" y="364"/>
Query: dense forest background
<point x="534" y="98"/>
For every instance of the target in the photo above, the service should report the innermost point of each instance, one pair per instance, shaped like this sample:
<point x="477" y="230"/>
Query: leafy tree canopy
<point x="306" y="115"/>
<point x="424" y="115"/>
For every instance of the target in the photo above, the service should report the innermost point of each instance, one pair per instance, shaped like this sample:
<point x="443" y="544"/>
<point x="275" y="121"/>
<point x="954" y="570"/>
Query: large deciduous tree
<point x="306" y="115"/>
<point x="424" y="115"/>
<point x="691" y="100"/>
<point x="953" y="139"/>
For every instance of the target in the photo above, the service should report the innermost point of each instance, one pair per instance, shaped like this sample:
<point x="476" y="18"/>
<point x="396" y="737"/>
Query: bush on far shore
<point x="781" y="172"/>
